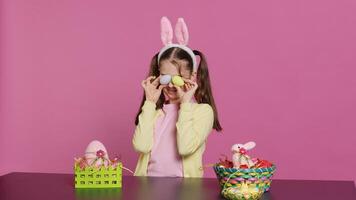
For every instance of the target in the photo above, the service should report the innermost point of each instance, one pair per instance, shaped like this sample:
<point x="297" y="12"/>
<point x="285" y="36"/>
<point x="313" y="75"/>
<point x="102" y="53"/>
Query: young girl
<point x="177" y="112"/>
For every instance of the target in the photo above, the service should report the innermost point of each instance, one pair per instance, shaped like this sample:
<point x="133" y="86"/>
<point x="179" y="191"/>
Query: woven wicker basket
<point x="231" y="177"/>
<point x="237" y="193"/>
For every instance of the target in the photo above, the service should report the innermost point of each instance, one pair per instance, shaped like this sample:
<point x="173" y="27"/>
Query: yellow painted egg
<point x="178" y="81"/>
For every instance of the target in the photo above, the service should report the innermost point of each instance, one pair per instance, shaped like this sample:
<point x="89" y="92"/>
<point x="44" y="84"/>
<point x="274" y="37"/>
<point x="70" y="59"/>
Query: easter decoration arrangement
<point x="243" y="177"/>
<point x="96" y="169"/>
<point x="176" y="80"/>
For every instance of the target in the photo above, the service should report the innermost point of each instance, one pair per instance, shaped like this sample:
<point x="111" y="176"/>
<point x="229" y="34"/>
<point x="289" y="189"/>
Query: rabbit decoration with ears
<point x="240" y="157"/>
<point x="182" y="36"/>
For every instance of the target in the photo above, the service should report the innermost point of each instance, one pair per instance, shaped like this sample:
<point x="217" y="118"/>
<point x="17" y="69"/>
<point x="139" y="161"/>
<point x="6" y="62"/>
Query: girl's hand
<point x="189" y="90"/>
<point x="151" y="91"/>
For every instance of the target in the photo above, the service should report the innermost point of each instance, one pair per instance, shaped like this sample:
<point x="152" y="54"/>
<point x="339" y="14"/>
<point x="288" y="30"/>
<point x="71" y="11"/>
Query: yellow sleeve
<point x="193" y="126"/>
<point x="143" y="137"/>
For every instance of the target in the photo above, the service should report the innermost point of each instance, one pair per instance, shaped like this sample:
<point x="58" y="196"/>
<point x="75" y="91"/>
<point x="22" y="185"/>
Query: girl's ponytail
<point x="154" y="71"/>
<point x="204" y="93"/>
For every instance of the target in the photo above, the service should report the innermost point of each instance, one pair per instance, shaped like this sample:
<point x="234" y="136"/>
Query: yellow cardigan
<point x="195" y="122"/>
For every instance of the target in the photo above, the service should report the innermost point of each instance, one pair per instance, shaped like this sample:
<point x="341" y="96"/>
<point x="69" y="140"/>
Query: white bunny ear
<point x="166" y="31"/>
<point x="249" y="145"/>
<point x="181" y="32"/>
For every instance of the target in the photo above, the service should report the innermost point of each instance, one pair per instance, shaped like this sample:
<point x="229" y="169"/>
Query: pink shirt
<point x="164" y="159"/>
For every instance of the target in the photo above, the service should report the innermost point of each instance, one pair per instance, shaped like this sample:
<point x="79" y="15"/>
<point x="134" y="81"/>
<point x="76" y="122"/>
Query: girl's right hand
<point x="151" y="91"/>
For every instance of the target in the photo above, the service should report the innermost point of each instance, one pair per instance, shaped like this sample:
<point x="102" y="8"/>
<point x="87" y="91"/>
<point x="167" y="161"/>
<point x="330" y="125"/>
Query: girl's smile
<point x="170" y="93"/>
<point x="170" y="90"/>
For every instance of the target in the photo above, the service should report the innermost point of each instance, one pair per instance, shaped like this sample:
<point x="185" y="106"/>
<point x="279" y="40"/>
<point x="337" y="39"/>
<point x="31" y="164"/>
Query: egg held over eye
<point x="178" y="81"/>
<point x="165" y="79"/>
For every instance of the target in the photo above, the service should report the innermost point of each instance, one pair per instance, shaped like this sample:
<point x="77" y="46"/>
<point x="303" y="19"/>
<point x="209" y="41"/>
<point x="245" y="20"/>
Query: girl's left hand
<point x="189" y="90"/>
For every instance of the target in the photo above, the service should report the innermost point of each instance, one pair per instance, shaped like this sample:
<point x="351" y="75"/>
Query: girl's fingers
<point x="193" y="84"/>
<point x="148" y="80"/>
<point x="179" y="90"/>
<point x="185" y="79"/>
<point x="189" y="81"/>
<point x="156" y="80"/>
<point x="161" y="87"/>
<point x="190" y="85"/>
<point x="143" y="83"/>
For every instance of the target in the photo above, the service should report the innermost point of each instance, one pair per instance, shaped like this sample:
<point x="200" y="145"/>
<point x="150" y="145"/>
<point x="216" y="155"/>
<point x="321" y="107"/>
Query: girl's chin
<point x="171" y="97"/>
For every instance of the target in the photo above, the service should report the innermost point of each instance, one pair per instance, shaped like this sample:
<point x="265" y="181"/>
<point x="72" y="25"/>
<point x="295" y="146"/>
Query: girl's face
<point x="167" y="67"/>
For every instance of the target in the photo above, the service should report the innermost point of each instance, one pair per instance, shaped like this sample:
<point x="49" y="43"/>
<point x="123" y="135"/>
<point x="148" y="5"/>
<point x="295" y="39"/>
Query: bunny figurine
<point x="240" y="159"/>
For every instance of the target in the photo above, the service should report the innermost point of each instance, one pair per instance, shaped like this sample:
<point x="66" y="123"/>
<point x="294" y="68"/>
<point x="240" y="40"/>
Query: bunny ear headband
<point x="182" y="36"/>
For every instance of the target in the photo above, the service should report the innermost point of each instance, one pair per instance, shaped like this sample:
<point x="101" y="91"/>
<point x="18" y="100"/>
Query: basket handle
<point x="258" y="175"/>
<point x="127" y="169"/>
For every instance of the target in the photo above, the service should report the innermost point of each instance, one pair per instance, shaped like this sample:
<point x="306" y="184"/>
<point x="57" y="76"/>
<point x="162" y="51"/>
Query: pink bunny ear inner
<point x="166" y="31"/>
<point x="250" y="145"/>
<point x="181" y="32"/>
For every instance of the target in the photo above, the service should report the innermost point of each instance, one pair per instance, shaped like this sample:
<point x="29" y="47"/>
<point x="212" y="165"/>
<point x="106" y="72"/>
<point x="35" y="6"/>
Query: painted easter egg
<point x="178" y="81"/>
<point x="96" y="154"/>
<point x="165" y="79"/>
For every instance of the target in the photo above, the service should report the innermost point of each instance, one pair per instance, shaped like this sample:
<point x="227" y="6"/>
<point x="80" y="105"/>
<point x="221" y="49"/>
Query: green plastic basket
<point x="231" y="177"/>
<point x="103" y="177"/>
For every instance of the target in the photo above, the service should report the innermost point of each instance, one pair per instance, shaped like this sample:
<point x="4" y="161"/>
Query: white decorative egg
<point x="96" y="150"/>
<point x="165" y="79"/>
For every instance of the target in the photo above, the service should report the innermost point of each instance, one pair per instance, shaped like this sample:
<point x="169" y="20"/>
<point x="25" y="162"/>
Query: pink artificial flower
<point x="243" y="151"/>
<point x="83" y="163"/>
<point x="100" y="154"/>
<point x="115" y="160"/>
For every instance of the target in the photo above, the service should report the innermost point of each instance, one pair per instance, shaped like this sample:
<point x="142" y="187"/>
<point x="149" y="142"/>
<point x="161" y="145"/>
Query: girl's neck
<point x="172" y="102"/>
<point x="177" y="101"/>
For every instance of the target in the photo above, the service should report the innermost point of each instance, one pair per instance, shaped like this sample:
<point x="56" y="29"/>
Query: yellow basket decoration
<point x="102" y="177"/>
<point x="101" y="172"/>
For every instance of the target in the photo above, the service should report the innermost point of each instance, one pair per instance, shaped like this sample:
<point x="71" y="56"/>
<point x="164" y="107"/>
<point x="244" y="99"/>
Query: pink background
<point x="283" y="75"/>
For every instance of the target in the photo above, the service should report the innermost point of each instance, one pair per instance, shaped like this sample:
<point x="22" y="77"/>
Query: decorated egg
<point x="96" y="154"/>
<point x="165" y="79"/>
<point x="178" y="81"/>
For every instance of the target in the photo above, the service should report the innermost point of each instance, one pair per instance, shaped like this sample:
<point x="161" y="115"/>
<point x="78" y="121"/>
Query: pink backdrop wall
<point x="283" y="74"/>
